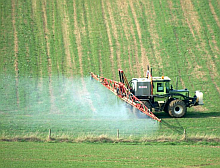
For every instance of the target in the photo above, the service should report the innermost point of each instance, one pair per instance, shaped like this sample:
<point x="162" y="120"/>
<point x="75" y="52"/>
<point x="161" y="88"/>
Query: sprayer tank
<point x="141" y="86"/>
<point x="199" y="96"/>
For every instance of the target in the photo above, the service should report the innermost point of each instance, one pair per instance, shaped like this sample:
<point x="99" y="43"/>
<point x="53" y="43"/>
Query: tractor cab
<point x="142" y="87"/>
<point x="161" y="85"/>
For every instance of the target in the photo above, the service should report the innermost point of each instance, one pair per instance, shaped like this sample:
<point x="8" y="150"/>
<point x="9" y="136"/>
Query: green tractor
<point x="158" y="95"/>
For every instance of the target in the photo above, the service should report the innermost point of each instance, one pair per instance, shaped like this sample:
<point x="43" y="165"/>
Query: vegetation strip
<point x="106" y="155"/>
<point x="179" y="140"/>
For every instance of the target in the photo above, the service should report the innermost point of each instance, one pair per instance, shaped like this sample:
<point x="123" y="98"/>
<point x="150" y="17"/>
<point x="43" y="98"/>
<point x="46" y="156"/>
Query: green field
<point x="106" y="155"/>
<point x="48" y="48"/>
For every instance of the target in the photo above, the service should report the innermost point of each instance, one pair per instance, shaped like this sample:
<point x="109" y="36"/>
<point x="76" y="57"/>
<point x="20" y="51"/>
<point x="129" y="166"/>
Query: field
<point x="48" y="48"/>
<point x="30" y="154"/>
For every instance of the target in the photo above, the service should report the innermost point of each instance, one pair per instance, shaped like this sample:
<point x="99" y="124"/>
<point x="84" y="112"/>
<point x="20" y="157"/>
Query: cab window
<point x="160" y="87"/>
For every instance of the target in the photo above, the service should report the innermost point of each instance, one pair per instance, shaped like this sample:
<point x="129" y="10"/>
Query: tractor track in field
<point x="46" y="32"/>
<point x="53" y="30"/>
<point x="191" y="17"/>
<point x="15" y="39"/>
<point x="174" y="18"/>
<point x="110" y="39"/>
<point x="77" y="32"/>
<point x="174" y="21"/>
<point x="49" y="63"/>
<point x="66" y="39"/>
<point x="15" y="52"/>
<point x="121" y="17"/>
<point x="34" y="16"/>
<point x="155" y="40"/>
<point x="130" y="36"/>
<point x="213" y="44"/>
<point x="100" y="45"/>
<point x="144" y="60"/>
<point x="115" y="34"/>
<point x="78" y="39"/>
<point x="212" y="71"/>
<point x="214" y="14"/>
<point x="137" y="62"/>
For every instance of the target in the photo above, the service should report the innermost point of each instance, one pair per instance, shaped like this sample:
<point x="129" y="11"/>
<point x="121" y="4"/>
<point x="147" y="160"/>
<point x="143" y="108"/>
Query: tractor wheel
<point x="166" y="108"/>
<point x="177" y="108"/>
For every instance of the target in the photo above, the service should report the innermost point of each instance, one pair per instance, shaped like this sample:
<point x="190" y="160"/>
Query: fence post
<point x="49" y="136"/>
<point x="118" y="133"/>
<point x="184" y="134"/>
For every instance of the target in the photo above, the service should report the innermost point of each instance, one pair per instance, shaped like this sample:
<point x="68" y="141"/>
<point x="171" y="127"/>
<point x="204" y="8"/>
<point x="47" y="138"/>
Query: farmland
<point x="48" y="48"/>
<point x="43" y="39"/>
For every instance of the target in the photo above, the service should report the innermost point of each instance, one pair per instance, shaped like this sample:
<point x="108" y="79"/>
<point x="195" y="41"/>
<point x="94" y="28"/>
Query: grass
<point x="105" y="155"/>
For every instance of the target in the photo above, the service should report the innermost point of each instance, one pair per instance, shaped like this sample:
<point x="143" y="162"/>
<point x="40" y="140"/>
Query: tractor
<point x="151" y="94"/>
<point x="158" y="95"/>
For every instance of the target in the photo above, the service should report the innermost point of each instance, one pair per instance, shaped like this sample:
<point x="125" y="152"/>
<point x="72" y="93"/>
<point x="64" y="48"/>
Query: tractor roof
<point x="161" y="79"/>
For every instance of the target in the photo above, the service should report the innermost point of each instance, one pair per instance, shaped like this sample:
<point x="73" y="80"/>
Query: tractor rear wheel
<point x="177" y="108"/>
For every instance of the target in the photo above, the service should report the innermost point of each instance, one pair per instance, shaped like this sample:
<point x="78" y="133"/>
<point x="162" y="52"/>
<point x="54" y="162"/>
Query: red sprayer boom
<point x="123" y="92"/>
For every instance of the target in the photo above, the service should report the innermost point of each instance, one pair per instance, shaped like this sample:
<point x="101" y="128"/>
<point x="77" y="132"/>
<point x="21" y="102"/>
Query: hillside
<point x="177" y="38"/>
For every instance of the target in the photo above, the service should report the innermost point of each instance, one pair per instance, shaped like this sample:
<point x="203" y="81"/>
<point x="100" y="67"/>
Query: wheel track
<point x="66" y="39"/>
<point x="34" y="17"/>
<point x="155" y="41"/>
<point x="53" y="108"/>
<point x="15" y="51"/>
<point x="144" y="59"/>
<point x="15" y="39"/>
<point x="46" y="32"/>
<point x="109" y="36"/>
<point x="77" y="32"/>
<point x="214" y="14"/>
<point x="130" y="35"/>
<point x="78" y="38"/>
<point x="122" y="18"/>
<point x="191" y="17"/>
<point x="115" y="34"/>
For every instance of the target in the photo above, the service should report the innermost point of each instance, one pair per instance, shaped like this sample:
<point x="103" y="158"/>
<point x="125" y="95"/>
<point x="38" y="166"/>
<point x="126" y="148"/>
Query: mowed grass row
<point x="106" y="155"/>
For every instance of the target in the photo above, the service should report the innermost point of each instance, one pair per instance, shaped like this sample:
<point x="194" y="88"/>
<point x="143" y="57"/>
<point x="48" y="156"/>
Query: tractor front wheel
<point x="177" y="108"/>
